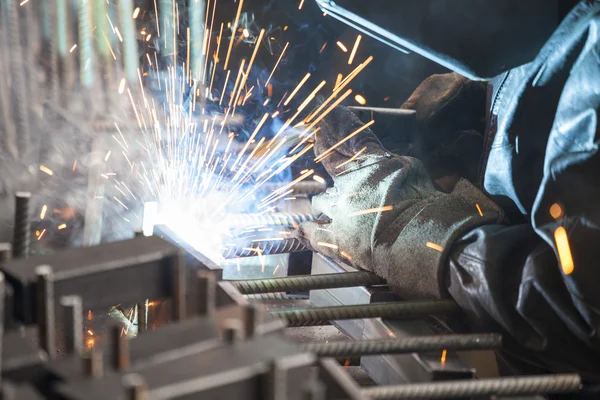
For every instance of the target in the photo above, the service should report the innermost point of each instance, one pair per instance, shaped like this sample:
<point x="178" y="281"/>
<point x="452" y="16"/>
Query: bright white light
<point x="149" y="218"/>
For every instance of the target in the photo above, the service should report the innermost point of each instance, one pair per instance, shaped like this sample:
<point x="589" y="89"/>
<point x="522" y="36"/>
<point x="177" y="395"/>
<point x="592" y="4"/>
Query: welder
<point x="516" y="248"/>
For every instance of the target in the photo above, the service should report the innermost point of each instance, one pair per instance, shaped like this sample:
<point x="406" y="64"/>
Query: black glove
<point x="385" y="214"/>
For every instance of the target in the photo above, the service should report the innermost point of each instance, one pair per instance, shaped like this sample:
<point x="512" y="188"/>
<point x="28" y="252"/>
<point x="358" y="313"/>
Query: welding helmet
<point x="478" y="39"/>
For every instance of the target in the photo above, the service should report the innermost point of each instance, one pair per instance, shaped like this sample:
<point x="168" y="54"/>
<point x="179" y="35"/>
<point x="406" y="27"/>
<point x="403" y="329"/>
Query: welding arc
<point x="266" y="247"/>
<point x="343" y="348"/>
<point x="510" y="386"/>
<point x="303" y="283"/>
<point x="398" y="310"/>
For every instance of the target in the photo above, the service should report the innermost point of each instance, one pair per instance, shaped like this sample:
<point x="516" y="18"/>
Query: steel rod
<point x="404" y="310"/>
<point x="273" y="219"/>
<point x="304" y="187"/>
<point x="529" y="385"/>
<point x="384" y="110"/>
<point x="22" y="225"/>
<point x="264" y="248"/>
<point x="342" y="348"/>
<point x="303" y="283"/>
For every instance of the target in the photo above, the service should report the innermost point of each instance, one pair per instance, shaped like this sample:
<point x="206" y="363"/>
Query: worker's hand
<point x="450" y="123"/>
<point x="383" y="209"/>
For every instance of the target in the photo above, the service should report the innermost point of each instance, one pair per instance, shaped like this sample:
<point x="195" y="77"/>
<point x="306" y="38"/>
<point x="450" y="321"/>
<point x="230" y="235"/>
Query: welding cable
<point x="266" y="247"/>
<point x="418" y="344"/>
<point x="400" y="310"/>
<point x="509" y="386"/>
<point x="273" y="219"/>
<point x="302" y="283"/>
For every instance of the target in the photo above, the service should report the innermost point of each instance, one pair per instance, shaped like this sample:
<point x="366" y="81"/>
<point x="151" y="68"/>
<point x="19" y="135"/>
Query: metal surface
<point x="405" y="345"/>
<point x="45" y="316"/>
<point x="73" y="324"/>
<point x="137" y="269"/>
<point x="303" y="283"/>
<point x="289" y="245"/>
<point x="545" y="384"/>
<point x="404" y="309"/>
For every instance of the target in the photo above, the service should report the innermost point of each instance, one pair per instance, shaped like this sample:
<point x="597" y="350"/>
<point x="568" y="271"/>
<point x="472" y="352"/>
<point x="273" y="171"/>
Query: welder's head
<point x="479" y="39"/>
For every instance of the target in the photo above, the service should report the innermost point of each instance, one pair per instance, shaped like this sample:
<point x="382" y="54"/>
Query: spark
<point x="434" y="246"/>
<point x="233" y="30"/>
<point x="41" y="234"/>
<point x="302" y="82"/>
<point x="43" y="212"/>
<point x="246" y="33"/>
<point x="118" y="34"/>
<point x="358" y="153"/>
<point x="360" y="99"/>
<point x="122" y="86"/>
<point x="341" y="46"/>
<point x="372" y="210"/>
<point x="62" y="226"/>
<point x="556" y="211"/>
<point x="318" y="179"/>
<point x="301" y="4"/>
<point x="479" y="210"/>
<point x="327" y="152"/>
<point x="330" y="245"/>
<point x="353" y="53"/>
<point x="564" y="250"/>
<point x="277" y="63"/>
<point x="346" y="255"/>
<point x="136" y="12"/>
<point x="107" y="156"/>
<point x="73" y="48"/>
<point x="276" y="268"/>
<point x="74" y="166"/>
<point x="443" y="358"/>
<point x="47" y="170"/>
<point x="121" y="203"/>
<point x="24" y="2"/>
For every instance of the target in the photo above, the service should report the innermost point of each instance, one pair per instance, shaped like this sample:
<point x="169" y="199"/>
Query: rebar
<point x="22" y="225"/>
<point x="86" y="44"/>
<point x="129" y="40"/>
<point x="393" y="310"/>
<point x="19" y="80"/>
<point x="303" y="283"/>
<point x="275" y="296"/>
<point x="196" y="9"/>
<point x="304" y="187"/>
<point x="290" y="245"/>
<point x="342" y="348"/>
<point x="274" y="219"/>
<point x="517" y="386"/>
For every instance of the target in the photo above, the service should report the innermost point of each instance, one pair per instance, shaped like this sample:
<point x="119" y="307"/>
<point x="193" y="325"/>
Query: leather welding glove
<point x="384" y="213"/>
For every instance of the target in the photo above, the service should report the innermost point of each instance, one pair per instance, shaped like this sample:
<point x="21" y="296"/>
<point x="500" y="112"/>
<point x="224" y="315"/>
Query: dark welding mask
<point x="479" y="39"/>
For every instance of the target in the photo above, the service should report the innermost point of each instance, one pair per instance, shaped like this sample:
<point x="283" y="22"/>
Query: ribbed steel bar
<point x="402" y="309"/>
<point x="264" y="248"/>
<point x="86" y="44"/>
<point x="275" y="296"/>
<point x="302" y="283"/>
<point x="518" y="386"/>
<point x="274" y="219"/>
<point x="130" y="49"/>
<point x="22" y="225"/>
<point x="19" y="78"/>
<point x="342" y="348"/>
<point x="304" y="187"/>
